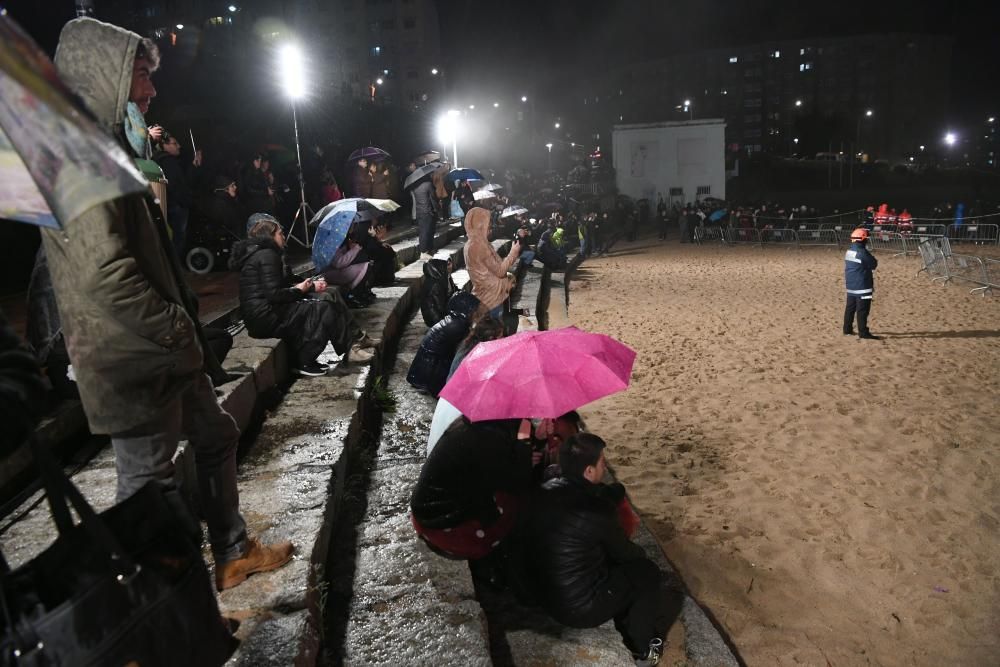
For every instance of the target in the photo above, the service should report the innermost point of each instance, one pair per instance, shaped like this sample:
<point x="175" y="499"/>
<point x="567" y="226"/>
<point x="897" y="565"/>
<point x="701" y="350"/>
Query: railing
<point x="819" y="237"/>
<point x="743" y="235"/>
<point x="974" y="233"/>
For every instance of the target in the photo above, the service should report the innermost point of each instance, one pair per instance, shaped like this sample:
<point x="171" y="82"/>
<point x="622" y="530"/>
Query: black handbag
<point x="126" y="587"/>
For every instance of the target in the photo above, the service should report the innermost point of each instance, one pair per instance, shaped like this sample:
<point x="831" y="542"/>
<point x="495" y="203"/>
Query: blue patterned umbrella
<point x="330" y="236"/>
<point x="366" y="209"/>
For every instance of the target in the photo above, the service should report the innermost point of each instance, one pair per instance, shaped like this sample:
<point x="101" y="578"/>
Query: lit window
<point x="805" y="66"/>
<point x="734" y="59"/>
<point x="802" y="52"/>
<point x="776" y="54"/>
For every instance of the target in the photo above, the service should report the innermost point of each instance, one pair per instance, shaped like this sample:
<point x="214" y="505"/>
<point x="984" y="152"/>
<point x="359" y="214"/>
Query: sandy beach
<point x="833" y="501"/>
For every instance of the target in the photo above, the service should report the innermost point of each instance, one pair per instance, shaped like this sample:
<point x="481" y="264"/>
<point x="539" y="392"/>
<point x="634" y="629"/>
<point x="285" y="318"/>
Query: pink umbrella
<point x="538" y="374"/>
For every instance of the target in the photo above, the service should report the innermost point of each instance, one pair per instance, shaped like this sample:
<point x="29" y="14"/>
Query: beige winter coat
<point x="488" y="272"/>
<point x="130" y="339"/>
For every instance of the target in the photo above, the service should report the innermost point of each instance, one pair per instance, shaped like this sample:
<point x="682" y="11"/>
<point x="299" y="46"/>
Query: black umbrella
<point x="429" y="156"/>
<point x="423" y="171"/>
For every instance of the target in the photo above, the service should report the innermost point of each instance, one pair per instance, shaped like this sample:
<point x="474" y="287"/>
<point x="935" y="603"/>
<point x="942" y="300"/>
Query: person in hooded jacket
<point x="435" y="290"/>
<point x="223" y="210"/>
<point x="582" y="567"/>
<point x="256" y="194"/>
<point x="274" y="305"/>
<point x="429" y="370"/>
<point x="490" y="275"/>
<point x="130" y="323"/>
<point x="858" y="267"/>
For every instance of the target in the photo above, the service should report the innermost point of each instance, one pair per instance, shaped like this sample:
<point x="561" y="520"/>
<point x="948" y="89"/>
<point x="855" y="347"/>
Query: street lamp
<point x="524" y="98"/>
<point x="857" y="141"/>
<point x="448" y="128"/>
<point x="557" y="126"/>
<point x="549" y="146"/>
<point x="496" y="105"/>
<point x="950" y="138"/>
<point x="180" y="26"/>
<point x="798" y="103"/>
<point x="293" y="80"/>
<point x="379" y="81"/>
<point x="687" y="107"/>
<point x="233" y="8"/>
<point x="434" y="71"/>
<point x="472" y="106"/>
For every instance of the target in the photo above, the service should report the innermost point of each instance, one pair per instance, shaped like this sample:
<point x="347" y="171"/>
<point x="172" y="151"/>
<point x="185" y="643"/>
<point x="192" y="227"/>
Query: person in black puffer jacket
<point x="585" y="571"/>
<point x="435" y="290"/>
<point x="466" y="498"/>
<point x="274" y="306"/>
<point x="429" y="370"/>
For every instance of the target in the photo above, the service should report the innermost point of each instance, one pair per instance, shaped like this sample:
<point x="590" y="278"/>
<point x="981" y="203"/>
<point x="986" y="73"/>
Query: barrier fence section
<point x="782" y="236"/>
<point x="702" y="234"/>
<point x="932" y="253"/>
<point x="744" y="235"/>
<point x="889" y="241"/>
<point x="974" y="233"/>
<point x="817" y="237"/>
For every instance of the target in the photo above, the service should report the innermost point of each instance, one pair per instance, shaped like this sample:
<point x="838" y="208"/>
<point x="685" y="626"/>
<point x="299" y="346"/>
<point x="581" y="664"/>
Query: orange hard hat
<point x="859" y="234"/>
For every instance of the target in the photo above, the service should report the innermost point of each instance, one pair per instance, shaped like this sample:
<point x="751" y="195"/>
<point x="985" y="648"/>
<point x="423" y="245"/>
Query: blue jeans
<point x="145" y="453"/>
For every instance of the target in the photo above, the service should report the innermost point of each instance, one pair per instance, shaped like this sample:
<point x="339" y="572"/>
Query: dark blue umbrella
<point x="369" y="153"/>
<point x="330" y="236"/>
<point x="465" y="174"/>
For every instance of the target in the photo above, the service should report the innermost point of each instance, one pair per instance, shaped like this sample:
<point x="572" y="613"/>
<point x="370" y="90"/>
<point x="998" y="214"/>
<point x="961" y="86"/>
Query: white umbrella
<point x="445" y="415"/>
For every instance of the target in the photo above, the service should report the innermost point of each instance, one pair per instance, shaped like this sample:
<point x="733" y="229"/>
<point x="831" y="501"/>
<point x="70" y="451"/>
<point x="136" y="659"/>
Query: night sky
<point x="540" y="47"/>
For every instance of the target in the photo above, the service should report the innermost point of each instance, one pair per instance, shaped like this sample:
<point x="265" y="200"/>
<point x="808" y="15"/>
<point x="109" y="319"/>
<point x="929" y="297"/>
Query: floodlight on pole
<point x="180" y="26"/>
<point x="293" y="81"/>
<point x="434" y="71"/>
<point x="549" y="146"/>
<point x="448" y="128"/>
<point x="524" y="98"/>
<point x="950" y="138"/>
<point x="233" y="8"/>
<point x="379" y="81"/>
<point x="868" y="113"/>
<point x="798" y="103"/>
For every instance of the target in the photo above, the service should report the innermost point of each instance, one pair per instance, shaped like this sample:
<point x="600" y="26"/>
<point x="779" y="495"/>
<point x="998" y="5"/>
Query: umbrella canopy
<point x="364" y="209"/>
<point x="551" y="206"/>
<point x="421" y="172"/>
<point x="465" y="174"/>
<point x="55" y="163"/>
<point x="484" y="193"/>
<point x="429" y="156"/>
<point x="369" y="153"/>
<point x="330" y="236"/>
<point x="512" y="211"/>
<point x="538" y="374"/>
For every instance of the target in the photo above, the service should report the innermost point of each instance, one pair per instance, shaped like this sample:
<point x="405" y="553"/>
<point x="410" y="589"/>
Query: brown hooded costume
<point x="488" y="272"/>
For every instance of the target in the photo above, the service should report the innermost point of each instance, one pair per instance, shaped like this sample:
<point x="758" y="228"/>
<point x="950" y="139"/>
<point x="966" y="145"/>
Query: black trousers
<point x="635" y="596"/>
<point x="861" y="306"/>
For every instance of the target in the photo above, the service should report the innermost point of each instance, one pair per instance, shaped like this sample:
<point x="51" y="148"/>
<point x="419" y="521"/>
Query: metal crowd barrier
<point x="970" y="269"/>
<point x="817" y="237"/>
<point x="893" y="242"/>
<point x="743" y="235"/>
<point x="974" y="233"/>
<point x="784" y="236"/>
<point x="702" y="234"/>
<point x="935" y="263"/>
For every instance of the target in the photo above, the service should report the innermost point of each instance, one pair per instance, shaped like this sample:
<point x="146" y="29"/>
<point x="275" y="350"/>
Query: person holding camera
<point x="492" y="277"/>
<point x="303" y="314"/>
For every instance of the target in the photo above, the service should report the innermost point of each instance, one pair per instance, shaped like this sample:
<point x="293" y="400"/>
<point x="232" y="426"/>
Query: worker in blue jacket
<point x="858" y="267"/>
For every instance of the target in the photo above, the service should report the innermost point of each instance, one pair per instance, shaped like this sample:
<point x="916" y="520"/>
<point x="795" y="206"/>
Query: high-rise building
<point x="883" y="95"/>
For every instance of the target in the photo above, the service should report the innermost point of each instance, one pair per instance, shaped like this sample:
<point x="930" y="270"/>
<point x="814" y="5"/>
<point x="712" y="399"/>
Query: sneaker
<point x="312" y="369"/>
<point x="869" y="336"/>
<point x="258" y="558"/>
<point x="366" y="342"/>
<point x="652" y="656"/>
<point x="360" y="355"/>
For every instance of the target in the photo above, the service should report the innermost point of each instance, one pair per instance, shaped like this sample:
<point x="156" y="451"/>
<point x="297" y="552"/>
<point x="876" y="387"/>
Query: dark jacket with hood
<point x="435" y="291"/>
<point x="574" y="539"/>
<point x="470" y="463"/>
<point x="266" y="287"/>
<point x="128" y="319"/>
<point x="179" y="179"/>
<point x="429" y="370"/>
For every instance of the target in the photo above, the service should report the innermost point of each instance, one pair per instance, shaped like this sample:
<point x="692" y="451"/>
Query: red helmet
<point x="859" y="234"/>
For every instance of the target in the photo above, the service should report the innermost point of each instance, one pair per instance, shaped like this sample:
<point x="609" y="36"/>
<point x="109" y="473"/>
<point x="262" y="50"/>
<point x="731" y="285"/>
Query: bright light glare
<point x="990" y="119"/>
<point x="921" y="147"/>
<point x="868" y="113"/>
<point x="798" y="103"/>
<point x="232" y="8"/>
<point x="472" y="106"/>
<point x="549" y="146"/>
<point x="796" y="140"/>
<point x="524" y="98"/>
<point x="496" y="105"/>
<point x="291" y="71"/>
<point x="180" y="26"/>
<point x="557" y="126"/>
<point x="379" y="81"/>
<point x="448" y="127"/>
<point x="950" y="138"/>
<point x="687" y="103"/>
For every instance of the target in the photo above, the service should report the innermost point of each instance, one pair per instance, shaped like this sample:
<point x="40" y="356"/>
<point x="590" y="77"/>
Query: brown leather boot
<point x="258" y="558"/>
